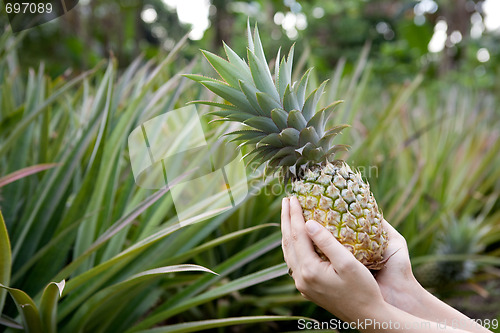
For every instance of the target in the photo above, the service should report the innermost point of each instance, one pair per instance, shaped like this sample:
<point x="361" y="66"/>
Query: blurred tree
<point x="457" y="15"/>
<point x="96" y="29"/>
<point x="222" y="21"/>
<point x="400" y="33"/>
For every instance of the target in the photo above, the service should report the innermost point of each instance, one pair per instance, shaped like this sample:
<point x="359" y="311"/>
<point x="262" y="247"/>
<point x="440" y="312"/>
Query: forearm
<point x="417" y="301"/>
<point x="391" y="319"/>
<point x="432" y="308"/>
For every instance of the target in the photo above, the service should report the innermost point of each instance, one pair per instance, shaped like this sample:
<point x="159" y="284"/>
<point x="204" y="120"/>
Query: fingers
<point x="341" y="259"/>
<point x="285" y="218"/>
<point x="389" y="228"/>
<point x="288" y="250"/>
<point x="301" y="241"/>
<point x="298" y="239"/>
<point x="394" y="235"/>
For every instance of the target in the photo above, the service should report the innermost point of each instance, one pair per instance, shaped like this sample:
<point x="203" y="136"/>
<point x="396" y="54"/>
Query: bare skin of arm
<point x="400" y="288"/>
<point x="347" y="289"/>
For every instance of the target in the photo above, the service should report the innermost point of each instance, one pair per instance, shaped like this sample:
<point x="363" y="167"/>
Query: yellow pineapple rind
<point x="333" y="195"/>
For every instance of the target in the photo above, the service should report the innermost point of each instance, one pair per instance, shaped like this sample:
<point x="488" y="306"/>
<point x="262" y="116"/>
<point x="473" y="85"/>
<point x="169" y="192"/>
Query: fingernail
<point x="312" y="227"/>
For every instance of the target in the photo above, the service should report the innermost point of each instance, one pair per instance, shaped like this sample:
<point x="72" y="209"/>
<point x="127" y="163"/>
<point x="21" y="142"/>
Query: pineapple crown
<point x="285" y="126"/>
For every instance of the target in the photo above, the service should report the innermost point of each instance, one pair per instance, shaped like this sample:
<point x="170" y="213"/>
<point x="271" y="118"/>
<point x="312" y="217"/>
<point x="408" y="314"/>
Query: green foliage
<point x="91" y="251"/>
<point x="72" y="211"/>
<point x="5" y="259"/>
<point x="430" y="153"/>
<point x="335" y="30"/>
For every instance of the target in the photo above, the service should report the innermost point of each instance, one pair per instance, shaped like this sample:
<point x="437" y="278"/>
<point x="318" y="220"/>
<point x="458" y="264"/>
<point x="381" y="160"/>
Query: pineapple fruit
<point x="288" y="132"/>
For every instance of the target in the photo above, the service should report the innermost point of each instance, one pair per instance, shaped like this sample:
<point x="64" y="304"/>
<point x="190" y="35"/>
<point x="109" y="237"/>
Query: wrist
<point x="374" y="311"/>
<point x="405" y="293"/>
<point x="411" y="287"/>
<point x="381" y="315"/>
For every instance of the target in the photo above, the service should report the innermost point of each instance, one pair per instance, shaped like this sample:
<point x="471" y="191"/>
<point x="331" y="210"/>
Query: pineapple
<point x="289" y="134"/>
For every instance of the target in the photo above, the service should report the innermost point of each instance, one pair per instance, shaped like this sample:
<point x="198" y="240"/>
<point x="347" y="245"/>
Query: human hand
<point x="342" y="286"/>
<point x="400" y="288"/>
<point x="346" y="288"/>
<point x="396" y="281"/>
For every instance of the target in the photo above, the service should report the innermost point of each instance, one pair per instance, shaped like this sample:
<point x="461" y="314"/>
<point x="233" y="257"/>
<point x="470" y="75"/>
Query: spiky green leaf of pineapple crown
<point x="286" y="127"/>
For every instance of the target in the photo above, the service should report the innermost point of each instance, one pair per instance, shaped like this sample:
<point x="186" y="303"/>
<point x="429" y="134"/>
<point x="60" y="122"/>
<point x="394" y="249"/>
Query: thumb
<point x="340" y="257"/>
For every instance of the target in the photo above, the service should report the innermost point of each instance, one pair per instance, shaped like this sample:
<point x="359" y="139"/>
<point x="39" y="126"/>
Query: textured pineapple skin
<point x="333" y="195"/>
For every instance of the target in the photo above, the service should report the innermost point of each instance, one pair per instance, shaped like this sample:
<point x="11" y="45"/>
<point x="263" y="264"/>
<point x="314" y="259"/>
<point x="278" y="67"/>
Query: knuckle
<point x="285" y="243"/>
<point x="324" y="237"/>
<point x="308" y="275"/>
<point x="296" y="209"/>
<point x="325" y="246"/>
<point x="323" y="242"/>
<point x="294" y="236"/>
<point x="399" y="240"/>
<point x="346" y="266"/>
<point x="300" y="285"/>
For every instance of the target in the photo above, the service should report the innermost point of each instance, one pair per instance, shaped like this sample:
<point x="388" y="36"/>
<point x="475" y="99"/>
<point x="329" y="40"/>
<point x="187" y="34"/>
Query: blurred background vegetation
<point x="457" y="40"/>
<point x="421" y="84"/>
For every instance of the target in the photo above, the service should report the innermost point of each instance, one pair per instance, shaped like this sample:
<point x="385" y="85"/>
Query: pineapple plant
<point x="287" y="131"/>
<point x="458" y="237"/>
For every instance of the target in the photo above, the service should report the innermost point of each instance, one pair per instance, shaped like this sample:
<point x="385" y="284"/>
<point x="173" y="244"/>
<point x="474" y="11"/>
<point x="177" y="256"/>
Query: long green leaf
<point x="98" y="305"/>
<point x="5" y="260"/>
<point x="25" y="172"/>
<point x="9" y="322"/>
<point x="116" y="227"/>
<point x="204" y="247"/>
<point x="48" y="306"/>
<point x="216" y="323"/>
<point x="21" y="127"/>
<point x="262" y="76"/>
<point x="225" y="69"/>
<point x="238" y="284"/>
<point x="233" y="263"/>
<point x="120" y="259"/>
<point x="27" y="309"/>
